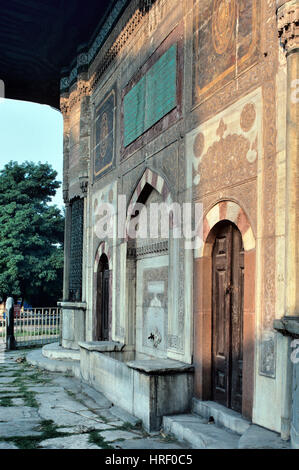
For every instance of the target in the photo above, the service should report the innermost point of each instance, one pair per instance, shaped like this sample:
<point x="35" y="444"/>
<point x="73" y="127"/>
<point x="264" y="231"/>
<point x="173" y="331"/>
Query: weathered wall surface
<point x="217" y="137"/>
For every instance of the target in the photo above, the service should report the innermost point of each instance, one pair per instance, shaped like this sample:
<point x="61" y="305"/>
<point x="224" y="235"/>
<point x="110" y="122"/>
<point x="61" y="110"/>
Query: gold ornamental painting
<point x="225" y="43"/>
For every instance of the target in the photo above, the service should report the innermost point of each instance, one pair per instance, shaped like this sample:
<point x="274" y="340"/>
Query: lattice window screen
<point x="76" y="250"/>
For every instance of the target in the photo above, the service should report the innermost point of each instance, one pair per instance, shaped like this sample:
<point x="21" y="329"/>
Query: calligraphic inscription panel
<point x="134" y="110"/>
<point x="152" y="97"/>
<point x="104" y="135"/>
<point x="161" y="88"/>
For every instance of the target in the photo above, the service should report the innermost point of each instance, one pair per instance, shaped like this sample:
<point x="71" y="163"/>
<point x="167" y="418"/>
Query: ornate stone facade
<point x="212" y="137"/>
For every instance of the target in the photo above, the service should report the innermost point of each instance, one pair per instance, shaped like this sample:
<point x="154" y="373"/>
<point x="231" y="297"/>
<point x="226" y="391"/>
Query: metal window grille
<point x="76" y="250"/>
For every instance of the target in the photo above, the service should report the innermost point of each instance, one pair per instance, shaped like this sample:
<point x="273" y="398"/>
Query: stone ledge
<point x="72" y="305"/>
<point x="101" y="346"/>
<point x="160" y="366"/>
<point x="288" y="326"/>
<point x="54" y="351"/>
<point x="36" y="358"/>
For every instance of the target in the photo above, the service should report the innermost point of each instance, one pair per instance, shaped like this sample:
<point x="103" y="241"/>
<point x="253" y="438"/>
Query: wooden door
<point x="102" y="308"/>
<point x="105" y="306"/>
<point x="227" y="317"/>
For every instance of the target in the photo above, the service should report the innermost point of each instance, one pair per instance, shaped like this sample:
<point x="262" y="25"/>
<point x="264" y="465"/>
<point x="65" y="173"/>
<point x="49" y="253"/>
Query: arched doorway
<point x="102" y="302"/>
<point x="227" y="315"/>
<point x="225" y="215"/>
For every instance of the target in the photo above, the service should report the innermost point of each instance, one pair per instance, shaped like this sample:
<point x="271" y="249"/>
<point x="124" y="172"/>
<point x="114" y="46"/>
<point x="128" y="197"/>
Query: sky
<point x="31" y="132"/>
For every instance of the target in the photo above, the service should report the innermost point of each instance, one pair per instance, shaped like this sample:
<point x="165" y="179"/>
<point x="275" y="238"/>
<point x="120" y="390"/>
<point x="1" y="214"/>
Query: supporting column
<point x="66" y="267"/>
<point x="131" y="299"/>
<point x="66" y="155"/>
<point x="66" y="151"/>
<point x="288" y="28"/>
<point x="67" y="241"/>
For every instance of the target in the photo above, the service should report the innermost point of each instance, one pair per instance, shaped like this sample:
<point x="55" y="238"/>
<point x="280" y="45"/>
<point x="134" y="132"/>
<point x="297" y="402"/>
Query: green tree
<point x="31" y="234"/>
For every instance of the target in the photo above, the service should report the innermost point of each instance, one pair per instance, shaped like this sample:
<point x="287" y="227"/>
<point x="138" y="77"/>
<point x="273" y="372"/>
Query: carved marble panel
<point x="224" y="151"/>
<point x="152" y="306"/>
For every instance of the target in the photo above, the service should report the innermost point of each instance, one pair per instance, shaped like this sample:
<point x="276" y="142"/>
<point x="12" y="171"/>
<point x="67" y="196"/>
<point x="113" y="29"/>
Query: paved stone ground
<point x="47" y="410"/>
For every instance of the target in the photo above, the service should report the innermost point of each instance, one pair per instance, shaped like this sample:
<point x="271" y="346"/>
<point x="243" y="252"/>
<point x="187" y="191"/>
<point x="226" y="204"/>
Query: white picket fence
<point x="36" y="326"/>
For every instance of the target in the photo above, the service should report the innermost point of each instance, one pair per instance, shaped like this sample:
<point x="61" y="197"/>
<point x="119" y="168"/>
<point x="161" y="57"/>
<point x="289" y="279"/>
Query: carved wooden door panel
<point x="105" y="306"/>
<point x="227" y="318"/>
<point x="237" y="302"/>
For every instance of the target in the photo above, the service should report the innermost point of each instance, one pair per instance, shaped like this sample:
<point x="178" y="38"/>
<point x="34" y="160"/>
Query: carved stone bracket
<point x="64" y="106"/>
<point x="288" y="25"/>
<point x="83" y="180"/>
<point x="65" y="196"/>
<point x="67" y="102"/>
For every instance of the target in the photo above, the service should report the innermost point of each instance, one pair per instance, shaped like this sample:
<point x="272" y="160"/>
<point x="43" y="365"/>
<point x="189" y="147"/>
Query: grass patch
<point x="13" y="394"/>
<point x="126" y="426"/>
<point x="6" y="402"/>
<point x="98" y="440"/>
<point x="21" y="382"/>
<point x="18" y="382"/>
<point x="131" y="427"/>
<point x="37" y="378"/>
<point x="19" y="373"/>
<point x="26" y="442"/>
<point x="23" y="392"/>
<point x="68" y="375"/>
<point x="72" y="395"/>
<point x="105" y="420"/>
<point x="29" y="399"/>
<point x="48" y="429"/>
<point x="167" y="437"/>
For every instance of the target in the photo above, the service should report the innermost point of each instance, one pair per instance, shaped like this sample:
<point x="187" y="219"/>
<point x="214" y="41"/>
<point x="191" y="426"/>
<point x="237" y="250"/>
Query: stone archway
<point x="223" y="211"/>
<point x="147" y="274"/>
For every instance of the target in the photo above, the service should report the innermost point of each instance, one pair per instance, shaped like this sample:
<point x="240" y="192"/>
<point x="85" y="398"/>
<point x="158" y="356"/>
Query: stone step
<point x="223" y="417"/>
<point x="198" y="433"/>
<point x="36" y="358"/>
<point x="54" y="351"/>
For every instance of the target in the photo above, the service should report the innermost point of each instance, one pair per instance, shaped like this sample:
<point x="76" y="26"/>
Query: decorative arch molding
<point x="156" y="181"/>
<point x="229" y="210"/>
<point x="103" y="249"/>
